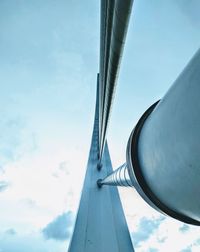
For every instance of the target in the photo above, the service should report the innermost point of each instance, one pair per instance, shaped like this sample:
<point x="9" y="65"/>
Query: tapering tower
<point x="100" y="224"/>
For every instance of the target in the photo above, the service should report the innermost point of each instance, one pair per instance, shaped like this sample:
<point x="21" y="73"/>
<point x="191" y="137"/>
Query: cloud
<point x="16" y="140"/>
<point x="184" y="228"/>
<point x="10" y="231"/>
<point x="60" y="228"/>
<point x="188" y="249"/>
<point x="145" y="230"/>
<point x="162" y="239"/>
<point x="31" y="242"/>
<point x="152" y="250"/>
<point x="197" y="242"/>
<point x="194" y="245"/>
<point x="3" y="185"/>
<point x="29" y="202"/>
<point x="10" y="133"/>
<point x="64" y="168"/>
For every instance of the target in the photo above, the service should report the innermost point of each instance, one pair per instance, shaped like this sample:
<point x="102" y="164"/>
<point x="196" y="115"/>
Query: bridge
<point x="162" y="159"/>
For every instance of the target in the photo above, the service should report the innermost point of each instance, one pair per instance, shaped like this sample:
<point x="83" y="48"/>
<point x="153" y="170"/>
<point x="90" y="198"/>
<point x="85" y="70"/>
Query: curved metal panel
<point x="169" y="145"/>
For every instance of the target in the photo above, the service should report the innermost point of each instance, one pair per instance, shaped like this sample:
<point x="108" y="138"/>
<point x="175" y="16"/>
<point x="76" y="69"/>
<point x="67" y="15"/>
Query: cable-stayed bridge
<point x="162" y="159"/>
<point x="100" y="223"/>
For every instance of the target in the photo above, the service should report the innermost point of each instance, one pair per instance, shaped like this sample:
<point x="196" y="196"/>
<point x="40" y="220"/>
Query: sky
<point x="49" y="60"/>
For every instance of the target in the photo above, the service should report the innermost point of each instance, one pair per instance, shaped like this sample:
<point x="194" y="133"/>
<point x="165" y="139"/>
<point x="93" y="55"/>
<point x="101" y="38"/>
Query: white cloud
<point x="146" y="229"/>
<point x="3" y="185"/>
<point x="60" y="228"/>
<point x="184" y="228"/>
<point x="10" y="231"/>
<point x="32" y="242"/>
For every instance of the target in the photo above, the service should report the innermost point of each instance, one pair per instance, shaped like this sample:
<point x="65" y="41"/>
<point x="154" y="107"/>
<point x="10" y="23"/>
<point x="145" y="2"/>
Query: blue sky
<point x="49" y="59"/>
